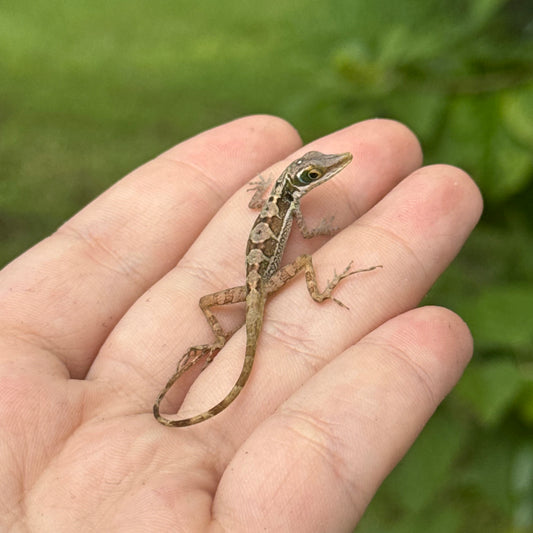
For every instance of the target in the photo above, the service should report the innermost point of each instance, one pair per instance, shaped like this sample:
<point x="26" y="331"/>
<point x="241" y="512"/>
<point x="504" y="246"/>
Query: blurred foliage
<point x="88" y="90"/>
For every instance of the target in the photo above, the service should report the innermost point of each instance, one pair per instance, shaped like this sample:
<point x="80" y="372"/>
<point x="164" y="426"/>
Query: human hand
<point x="94" y="319"/>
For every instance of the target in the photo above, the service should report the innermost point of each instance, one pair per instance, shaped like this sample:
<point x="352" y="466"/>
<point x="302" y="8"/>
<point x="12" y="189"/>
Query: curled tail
<point x="254" y="321"/>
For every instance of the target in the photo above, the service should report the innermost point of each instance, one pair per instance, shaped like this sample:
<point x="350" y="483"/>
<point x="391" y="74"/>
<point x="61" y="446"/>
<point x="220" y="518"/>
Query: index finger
<point x="69" y="291"/>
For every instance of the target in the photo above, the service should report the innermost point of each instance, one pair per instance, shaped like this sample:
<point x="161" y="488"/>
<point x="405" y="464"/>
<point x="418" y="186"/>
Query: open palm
<point x="94" y="319"/>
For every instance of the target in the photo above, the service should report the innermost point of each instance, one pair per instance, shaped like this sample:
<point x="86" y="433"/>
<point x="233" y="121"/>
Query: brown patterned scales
<point x="264" y="276"/>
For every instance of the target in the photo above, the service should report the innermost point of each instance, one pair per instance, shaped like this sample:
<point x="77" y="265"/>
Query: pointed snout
<point x="337" y="162"/>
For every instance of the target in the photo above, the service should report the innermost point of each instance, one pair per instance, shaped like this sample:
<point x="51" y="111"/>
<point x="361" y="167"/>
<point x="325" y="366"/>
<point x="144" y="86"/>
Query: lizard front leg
<point x="260" y="186"/>
<point x="305" y="262"/>
<point x="209" y="351"/>
<point x="325" y="226"/>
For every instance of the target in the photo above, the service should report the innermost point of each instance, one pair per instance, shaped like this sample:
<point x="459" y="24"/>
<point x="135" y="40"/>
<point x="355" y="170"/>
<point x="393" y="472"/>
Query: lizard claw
<point x="261" y="184"/>
<point x="338" y="302"/>
<point x="325" y="226"/>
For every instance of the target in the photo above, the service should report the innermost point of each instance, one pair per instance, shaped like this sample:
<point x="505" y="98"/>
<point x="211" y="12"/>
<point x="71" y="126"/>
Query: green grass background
<point x="90" y="90"/>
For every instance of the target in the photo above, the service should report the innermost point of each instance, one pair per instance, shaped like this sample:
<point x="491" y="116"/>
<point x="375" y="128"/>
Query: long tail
<point x="254" y="321"/>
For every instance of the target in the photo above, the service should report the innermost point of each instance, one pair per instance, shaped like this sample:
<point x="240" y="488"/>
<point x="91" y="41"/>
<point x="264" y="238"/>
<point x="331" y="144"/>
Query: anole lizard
<point x="264" y="276"/>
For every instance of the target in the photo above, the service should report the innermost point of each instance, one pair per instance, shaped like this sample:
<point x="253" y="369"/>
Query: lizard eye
<point x="307" y="176"/>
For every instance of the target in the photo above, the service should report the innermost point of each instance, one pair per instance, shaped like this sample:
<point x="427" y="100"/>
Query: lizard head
<point x="314" y="168"/>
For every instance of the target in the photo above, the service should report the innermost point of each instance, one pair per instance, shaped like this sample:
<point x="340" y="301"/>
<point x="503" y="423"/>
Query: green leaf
<point x="488" y="470"/>
<point x="468" y="123"/>
<point x="420" y="109"/>
<point x="425" y="469"/>
<point x="430" y="520"/>
<point x="513" y="166"/>
<point x="522" y="487"/>
<point x="501" y="316"/>
<point x="355" y="62"/>
<point x="490" y="388"/>
<point x="517" y="115"/>
<point x="482" y="10"/>
<point x="525" y="403"/>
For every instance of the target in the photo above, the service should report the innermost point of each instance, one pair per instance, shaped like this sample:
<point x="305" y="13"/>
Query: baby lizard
<point x="264" y="276"/>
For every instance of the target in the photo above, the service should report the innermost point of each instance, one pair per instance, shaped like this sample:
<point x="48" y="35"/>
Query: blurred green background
<point x="90" y="90"/>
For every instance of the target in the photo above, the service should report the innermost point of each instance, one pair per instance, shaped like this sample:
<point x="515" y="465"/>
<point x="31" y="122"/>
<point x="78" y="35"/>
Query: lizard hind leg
<point x="207" y="351"/>
<point x="191" y="357"/>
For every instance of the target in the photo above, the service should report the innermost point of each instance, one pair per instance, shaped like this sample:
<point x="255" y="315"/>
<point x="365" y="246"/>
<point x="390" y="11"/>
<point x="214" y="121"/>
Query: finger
<point x="319" y="460"/>
<point x="74" y="286"/>
<point x="414" y="232"/>
<point x="170" y="318"/>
